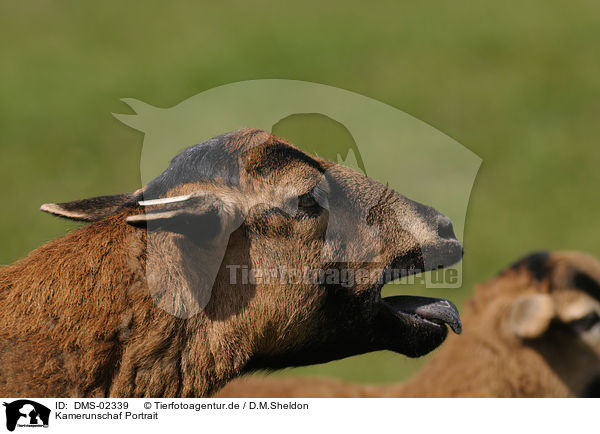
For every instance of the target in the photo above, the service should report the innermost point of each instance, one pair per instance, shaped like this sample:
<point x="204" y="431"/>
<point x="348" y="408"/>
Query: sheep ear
<point x="200" y="217"/>
<point x="530" y="315"/>
<point x="88" y="210"/>
<point x="206" y="222"/>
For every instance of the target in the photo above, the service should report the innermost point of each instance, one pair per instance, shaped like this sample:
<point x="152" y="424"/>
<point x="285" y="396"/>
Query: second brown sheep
<point x="532" y="331"/>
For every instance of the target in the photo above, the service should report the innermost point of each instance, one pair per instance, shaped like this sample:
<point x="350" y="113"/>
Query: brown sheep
<point x="533" y="331"/>
<point x="144" y="300"/>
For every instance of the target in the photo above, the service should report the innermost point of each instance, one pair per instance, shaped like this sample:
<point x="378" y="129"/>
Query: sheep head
<point x="234" y="224"/>
<point x="552" y="306"/>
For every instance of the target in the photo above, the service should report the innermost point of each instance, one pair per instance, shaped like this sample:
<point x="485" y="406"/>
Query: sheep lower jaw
<point x="414" y="326"/>
<point x="437" y="312"/>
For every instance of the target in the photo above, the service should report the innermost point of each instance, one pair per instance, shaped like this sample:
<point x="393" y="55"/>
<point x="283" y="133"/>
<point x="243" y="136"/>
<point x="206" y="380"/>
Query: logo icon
<point x="343" y="127"/>
<point x="26" y="413"/>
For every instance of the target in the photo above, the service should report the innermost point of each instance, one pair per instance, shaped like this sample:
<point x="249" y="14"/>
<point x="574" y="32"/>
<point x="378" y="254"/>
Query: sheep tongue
<point x="436" y="310"/>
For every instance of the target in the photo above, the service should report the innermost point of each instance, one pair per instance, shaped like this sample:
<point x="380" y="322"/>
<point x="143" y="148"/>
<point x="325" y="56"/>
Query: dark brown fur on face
<point x="121" y="307"/>
<point x="533" y="331"/>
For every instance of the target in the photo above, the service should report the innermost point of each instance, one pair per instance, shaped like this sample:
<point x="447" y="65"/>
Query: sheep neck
<point x="92" y="328"/>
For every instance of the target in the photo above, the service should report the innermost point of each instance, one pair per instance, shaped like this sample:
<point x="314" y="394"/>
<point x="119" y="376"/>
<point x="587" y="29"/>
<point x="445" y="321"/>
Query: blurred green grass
<point x="517" y="83"/>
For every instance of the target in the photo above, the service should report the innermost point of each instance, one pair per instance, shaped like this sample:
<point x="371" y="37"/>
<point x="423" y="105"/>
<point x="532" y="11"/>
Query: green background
<point x="518" y="83"/>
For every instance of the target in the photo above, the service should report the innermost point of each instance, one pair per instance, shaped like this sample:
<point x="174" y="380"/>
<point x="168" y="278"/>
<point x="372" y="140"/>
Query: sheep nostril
<point x="445" y="228"/>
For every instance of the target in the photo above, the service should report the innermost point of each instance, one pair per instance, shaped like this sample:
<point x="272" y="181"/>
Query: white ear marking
<point x="53" y="208"/>
<point x="164" y="201"/>
<point x="150" y="217"/>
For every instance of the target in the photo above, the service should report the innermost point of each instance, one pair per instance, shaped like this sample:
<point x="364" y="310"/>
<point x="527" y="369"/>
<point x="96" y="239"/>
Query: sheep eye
<point x="307" y="201"/>
<point x="586" y="323"/>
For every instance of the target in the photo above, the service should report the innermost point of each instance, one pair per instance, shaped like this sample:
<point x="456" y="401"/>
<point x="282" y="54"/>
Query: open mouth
<point x="433" y="312"/>
<point x="416" y="324"/>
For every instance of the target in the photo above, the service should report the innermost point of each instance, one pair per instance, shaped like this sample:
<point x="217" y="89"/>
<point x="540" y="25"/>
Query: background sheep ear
<point x="88" y="210"/>
<point x="200" y="217"/>
<point x="530" y="315"/>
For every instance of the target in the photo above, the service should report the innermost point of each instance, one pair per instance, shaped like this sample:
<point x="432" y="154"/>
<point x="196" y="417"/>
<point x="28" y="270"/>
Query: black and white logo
<point x="25" y="413"/>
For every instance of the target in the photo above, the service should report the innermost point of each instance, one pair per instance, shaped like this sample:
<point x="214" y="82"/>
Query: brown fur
<point x="489" y="360"/>
<point x="116" y="310"/>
